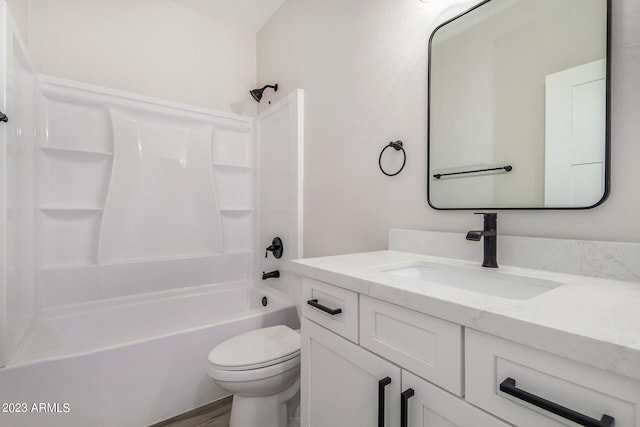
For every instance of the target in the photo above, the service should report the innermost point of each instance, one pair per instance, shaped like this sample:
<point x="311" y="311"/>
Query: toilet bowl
<point x="262" y="370"/>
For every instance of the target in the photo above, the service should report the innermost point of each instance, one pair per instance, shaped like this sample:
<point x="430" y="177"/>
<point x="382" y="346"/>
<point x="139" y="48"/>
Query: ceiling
<point x="248" y="14"/>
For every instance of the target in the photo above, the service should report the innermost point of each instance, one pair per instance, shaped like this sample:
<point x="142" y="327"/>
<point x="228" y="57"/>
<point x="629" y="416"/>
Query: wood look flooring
<point x="215" y="414"/>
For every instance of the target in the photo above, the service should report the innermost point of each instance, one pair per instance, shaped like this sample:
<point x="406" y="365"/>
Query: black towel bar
<point x="507" y="168"/>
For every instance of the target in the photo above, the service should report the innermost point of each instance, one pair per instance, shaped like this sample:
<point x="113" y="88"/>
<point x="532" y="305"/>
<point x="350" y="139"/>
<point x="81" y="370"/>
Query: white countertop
<point x="591" y="320"/>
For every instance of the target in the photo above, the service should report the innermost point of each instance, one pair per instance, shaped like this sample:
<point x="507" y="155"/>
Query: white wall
<point x="362" y="64"/>
<point x="18" y="9"/>
<point x="153" y="47"/>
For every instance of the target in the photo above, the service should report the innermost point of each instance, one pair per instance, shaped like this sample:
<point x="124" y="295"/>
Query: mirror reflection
<point x="518" y="106"/>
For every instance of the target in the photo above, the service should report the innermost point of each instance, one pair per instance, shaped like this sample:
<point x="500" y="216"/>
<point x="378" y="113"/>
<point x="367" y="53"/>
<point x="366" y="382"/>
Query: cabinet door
<point x="340" y="382"/>
<point x="430" y="406"/>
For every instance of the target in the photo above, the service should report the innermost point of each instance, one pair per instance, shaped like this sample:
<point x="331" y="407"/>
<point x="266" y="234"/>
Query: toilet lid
<point x="256" y="349"/>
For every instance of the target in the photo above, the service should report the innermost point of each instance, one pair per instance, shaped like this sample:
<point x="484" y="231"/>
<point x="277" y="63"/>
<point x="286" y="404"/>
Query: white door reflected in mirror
<point x="575" y="128"/>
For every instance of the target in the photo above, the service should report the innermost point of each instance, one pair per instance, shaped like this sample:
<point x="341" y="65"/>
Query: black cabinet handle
<point x="509" y="386"/>
<point x="404" y="406"/>
<point x="3" y="117"/>
<point x="331" y="311"/>
<point x="381" y="386"/>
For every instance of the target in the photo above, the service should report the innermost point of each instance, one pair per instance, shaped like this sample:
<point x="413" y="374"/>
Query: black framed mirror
<point x="518" y="106"/>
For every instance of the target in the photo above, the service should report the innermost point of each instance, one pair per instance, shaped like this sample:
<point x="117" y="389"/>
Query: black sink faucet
<point x="490" y="234"/>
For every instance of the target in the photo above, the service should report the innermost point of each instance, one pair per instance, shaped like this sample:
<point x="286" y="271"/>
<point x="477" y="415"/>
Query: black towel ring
<point x="397" y="145"/>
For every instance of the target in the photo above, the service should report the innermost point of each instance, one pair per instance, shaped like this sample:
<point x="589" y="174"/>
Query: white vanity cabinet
<point x="358" y="351"/>
<point x="475" y="354"/>
<point x="346" y="385"/>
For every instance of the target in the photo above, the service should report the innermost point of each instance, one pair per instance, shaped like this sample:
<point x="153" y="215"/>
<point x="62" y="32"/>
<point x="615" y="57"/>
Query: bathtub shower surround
<point x="133" y="190"/>
<point x="146" y="234"/>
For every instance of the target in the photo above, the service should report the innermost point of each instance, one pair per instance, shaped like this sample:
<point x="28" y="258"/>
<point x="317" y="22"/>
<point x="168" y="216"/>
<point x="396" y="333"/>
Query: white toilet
<point x="262" y="370"/>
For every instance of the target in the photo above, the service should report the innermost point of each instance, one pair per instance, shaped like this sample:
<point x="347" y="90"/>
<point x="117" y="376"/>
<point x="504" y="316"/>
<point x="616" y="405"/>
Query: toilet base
<point x="265" y="411"/>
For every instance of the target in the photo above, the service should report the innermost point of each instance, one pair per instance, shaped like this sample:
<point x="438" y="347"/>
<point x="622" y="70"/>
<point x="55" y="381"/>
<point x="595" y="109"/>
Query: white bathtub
<point x="130" y="361"/>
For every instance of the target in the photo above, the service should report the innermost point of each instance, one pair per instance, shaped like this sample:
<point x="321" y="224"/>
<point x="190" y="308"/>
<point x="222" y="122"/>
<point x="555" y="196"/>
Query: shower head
<point x="257" y="93"/>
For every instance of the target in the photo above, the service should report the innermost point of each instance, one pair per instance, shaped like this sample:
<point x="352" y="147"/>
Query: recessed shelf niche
<point x="75" y="124"/>
<point x="234" y="186"/>
<point x="73" y="178"/>
<point x="231" y="148"/>
<point x="68" y="237"/>
<point x="237" y="226"/>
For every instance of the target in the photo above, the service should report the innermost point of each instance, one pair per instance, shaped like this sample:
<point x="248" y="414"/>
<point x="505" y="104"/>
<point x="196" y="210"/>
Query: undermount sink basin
<point x="482" y="280"/>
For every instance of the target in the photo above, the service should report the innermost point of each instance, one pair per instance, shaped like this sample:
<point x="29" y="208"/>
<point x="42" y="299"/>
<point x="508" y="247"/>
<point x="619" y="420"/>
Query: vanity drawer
<point x="491" y="361"/>
<point x="333" y="307"/>
<point x="425" y="345"/>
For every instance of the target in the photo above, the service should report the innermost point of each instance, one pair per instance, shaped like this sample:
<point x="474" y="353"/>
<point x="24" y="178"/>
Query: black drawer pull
<point x="331" y="311"/>
<point x="404" y="406"/>
<point x="509" y="386"/>
<point x="381" y="400"/>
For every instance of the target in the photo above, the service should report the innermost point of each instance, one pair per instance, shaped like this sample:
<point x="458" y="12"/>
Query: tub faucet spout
<point x="270" y="275"/>
<point x="490" y="234"/>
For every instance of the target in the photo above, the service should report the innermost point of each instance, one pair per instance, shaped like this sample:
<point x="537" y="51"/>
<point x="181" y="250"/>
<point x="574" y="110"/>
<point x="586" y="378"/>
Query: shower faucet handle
<point x="276" y="247"/>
